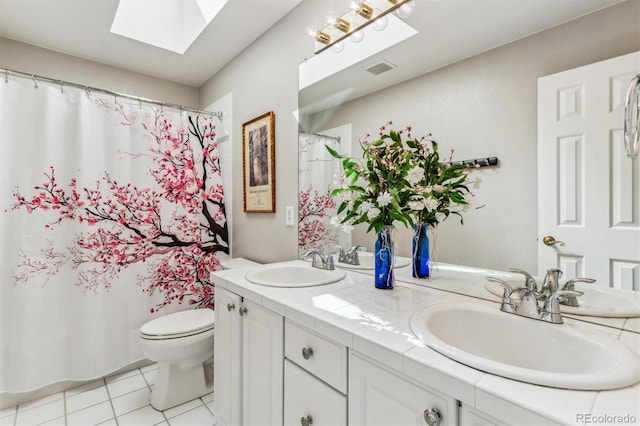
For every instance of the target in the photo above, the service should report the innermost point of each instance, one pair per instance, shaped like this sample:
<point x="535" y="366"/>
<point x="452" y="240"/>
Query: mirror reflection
<point x="469" y="76"/>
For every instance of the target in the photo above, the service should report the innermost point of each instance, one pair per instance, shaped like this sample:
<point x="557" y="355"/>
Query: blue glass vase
<point x="383" y="262"/>
<point x="420" y="250"/>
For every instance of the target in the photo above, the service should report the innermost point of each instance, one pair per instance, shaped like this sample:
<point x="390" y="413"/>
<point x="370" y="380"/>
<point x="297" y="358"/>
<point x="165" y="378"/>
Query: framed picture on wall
<point x="259" y="164"/>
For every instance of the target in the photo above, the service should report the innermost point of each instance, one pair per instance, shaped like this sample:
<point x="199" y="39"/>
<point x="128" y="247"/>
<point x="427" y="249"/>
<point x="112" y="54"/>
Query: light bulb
<point x="357" y="36"/>
<point x="406" y="9"/>
<point x="380" y="23"/>
<point x="338" y="47"/>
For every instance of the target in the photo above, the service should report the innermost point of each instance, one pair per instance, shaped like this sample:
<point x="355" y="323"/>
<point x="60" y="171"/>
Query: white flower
<point x="431" y="203"/>
<point x="416" y="205"/>
<point x="335" y="221"/>
<point x="438" y="188"/>
<point x="384" y="199"/>
<point x="365" y="207"/>
<point x="347" y="228"/>
<point x="415" y="175"/>
<point x="373" y="212"/>
<point x="347" y="196"/>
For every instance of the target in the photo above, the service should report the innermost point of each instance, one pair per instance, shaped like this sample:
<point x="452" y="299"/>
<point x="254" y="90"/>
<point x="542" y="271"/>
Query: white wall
<point x="264" y="77"/>
<point x="485" y="105"/>
<point x="47" y="63"/>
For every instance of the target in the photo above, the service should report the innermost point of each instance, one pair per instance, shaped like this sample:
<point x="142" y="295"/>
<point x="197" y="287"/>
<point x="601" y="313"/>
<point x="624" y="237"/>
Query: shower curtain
<point x="317" y="176"/>
<point x="111" y="214"/>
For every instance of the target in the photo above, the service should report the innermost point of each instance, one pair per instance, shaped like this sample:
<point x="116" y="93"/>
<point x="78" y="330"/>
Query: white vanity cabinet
<point x="379" y="397"/>
<point x="248" y="362"/>
<point x="315" y="379"/>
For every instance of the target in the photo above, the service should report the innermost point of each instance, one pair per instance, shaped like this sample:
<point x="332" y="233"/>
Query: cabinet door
<point x="469" y="416"/>
<point x="262" y="358"/>
<point x="307" y="397"/>
<point x="227" y="363"/>
<point x="378" y="397"/>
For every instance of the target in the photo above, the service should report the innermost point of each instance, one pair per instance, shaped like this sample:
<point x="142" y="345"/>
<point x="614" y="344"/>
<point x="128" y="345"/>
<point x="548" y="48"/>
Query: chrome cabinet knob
<point x="306" y="421"/>
<point x="242" y="310"/>
<point x="432" y="416"/>
<point x="307" y="353"/>
<point x="549" y="240"/>
<point x="230" y="307"/>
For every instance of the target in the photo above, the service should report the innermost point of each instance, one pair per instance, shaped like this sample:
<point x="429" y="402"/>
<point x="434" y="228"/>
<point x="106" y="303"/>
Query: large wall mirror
<point x="465" y="71"/>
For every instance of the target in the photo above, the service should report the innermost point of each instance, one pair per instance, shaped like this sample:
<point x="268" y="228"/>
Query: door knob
<point x="550" y="241"/>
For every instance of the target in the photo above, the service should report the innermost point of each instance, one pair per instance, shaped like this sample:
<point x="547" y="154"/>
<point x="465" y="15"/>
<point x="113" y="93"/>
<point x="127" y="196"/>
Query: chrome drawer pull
<point x="242" y="311"/>
<point x="432" y="416"/>
<point x="306" y="421"/>
<point x="230" y="307"/>
<point x="307" y="353"/>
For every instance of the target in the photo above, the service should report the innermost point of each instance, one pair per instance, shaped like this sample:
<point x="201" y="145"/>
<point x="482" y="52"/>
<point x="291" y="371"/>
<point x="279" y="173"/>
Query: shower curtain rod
<point x="335" y="138"/>
<point x="62" y="83"/>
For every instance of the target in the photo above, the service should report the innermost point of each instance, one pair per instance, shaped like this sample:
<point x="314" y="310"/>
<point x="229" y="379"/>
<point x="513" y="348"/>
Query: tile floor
<point x="120" y="400"/>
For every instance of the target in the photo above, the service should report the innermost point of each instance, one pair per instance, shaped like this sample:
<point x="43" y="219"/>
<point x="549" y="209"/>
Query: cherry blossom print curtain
<point x="317" y="176"/>
<point x="112" y="214"/>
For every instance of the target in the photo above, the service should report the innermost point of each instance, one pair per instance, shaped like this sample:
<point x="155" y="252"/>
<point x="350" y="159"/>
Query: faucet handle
<point x="569" y="285"/>
<point x="551" y="309"/>
<point x="530" y="281"/>
<point x="506" y="306"/>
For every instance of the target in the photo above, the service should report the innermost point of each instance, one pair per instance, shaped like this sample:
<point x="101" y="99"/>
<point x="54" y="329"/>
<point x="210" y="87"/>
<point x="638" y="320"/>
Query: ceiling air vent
<point x="380" y="67"/>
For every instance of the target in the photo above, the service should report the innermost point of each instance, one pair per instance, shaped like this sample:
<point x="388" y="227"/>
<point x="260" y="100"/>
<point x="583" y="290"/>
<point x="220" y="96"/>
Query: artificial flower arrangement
<point x="400" y="180"/>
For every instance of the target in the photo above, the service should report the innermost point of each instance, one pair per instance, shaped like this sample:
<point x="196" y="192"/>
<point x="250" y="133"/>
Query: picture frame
<point x="259" y="164"/>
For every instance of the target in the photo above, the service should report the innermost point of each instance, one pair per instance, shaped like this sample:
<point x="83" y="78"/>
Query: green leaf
<point x="333" y="152"/>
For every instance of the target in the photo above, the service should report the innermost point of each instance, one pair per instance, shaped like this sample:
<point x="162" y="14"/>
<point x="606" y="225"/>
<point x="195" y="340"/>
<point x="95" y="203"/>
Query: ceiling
<point x="81" y="28"/>
<point x="449" y="30"/>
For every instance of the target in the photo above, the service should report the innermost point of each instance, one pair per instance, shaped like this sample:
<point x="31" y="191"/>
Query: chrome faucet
<point x="319" y="260"/>
<point x="550" y="284"/>
<point x="569" y="285"/>
<point x="523" y="300"/>
<point x="349" y="256"/>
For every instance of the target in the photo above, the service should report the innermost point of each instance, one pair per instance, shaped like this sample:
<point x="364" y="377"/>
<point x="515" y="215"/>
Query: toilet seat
<point x="179" y="324"/>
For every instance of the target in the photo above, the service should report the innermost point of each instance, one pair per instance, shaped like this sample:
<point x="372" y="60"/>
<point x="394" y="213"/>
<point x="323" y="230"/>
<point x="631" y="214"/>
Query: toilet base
<point x="176" y="384"/>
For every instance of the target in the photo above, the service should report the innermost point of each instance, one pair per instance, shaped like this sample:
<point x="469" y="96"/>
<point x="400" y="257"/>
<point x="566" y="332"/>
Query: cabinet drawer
<point x="323" y="358"/>
<point x="307" y="397"/>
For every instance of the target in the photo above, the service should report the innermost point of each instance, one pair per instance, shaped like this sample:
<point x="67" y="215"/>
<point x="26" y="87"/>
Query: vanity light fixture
<point x="360" y="13"/>
<point x="339" y="23"/>
<point x="361" y="9"/>
<point x="319" y="36"/>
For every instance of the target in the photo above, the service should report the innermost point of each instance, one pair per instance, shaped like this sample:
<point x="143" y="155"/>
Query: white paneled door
<point x="588" y="189"/>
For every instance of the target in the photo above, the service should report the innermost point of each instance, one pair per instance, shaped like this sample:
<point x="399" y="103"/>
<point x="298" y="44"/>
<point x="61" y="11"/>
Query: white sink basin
<point x="293" y="276"/>
<point x="366" y="262"/>
<point x="526" y="349"/>
<point x="596" y="301"/>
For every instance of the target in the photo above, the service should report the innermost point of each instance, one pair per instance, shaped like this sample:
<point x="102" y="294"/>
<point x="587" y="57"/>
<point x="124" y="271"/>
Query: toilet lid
<point x="179" y="324"/>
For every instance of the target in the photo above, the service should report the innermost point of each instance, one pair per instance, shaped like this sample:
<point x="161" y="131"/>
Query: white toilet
<point x="182" y="345"/>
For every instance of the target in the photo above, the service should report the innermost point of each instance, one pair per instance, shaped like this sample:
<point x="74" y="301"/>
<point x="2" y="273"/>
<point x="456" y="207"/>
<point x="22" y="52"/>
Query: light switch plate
<point x="289" y="216"/>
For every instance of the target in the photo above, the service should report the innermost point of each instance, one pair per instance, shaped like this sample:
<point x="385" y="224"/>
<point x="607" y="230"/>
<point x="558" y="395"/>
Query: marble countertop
<point x="376" y="323"/>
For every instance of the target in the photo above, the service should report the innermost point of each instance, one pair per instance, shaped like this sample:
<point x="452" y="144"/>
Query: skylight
<point x="168" y="24"/>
